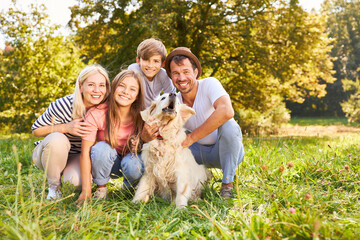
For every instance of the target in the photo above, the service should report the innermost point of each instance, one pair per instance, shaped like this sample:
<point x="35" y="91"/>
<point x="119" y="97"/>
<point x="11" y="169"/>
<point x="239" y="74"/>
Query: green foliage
<point x="291" y="188"/>
<point x="351" y="107"/>
<point x="257" y="49"/>
<point x="258" y="123"/>
<point x="343" y="26"/>
<point x="41" y="67"/>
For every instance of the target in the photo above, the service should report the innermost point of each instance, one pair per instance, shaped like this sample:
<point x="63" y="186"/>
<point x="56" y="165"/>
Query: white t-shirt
<point x="160" y="82"/>
<point x="209" y="90"/>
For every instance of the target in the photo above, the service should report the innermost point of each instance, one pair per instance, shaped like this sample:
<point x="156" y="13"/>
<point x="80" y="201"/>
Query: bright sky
<point x="59" y="11"/>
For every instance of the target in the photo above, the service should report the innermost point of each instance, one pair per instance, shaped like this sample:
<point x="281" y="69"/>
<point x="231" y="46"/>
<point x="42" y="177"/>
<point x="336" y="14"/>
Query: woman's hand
<point x="84" y="196"/>
<point x="78" y="127"/>
<point x="135" y="144"/>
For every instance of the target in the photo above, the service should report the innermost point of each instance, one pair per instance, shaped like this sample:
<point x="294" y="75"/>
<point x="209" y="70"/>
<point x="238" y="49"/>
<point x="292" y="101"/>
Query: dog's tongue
<point x="159" y="137"/>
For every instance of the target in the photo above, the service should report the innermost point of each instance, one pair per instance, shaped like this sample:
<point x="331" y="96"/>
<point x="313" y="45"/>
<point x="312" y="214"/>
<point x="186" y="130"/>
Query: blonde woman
<point x="62" y="127"/>
<point x="113" y="125"/>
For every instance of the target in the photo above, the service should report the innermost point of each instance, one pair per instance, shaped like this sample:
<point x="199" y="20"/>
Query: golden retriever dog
<point x="170" y="170"/>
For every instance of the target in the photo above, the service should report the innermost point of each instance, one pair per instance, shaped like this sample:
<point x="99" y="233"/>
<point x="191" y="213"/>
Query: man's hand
<point x="188" y="141"/>
<point x="149" y="132"/>
<point x="78" y="127"/>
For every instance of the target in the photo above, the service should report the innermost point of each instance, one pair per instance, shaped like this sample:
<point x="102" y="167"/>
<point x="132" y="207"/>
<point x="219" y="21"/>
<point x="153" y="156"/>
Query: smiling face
<point x="93" y="90"/>
<point x="126" y="92"/>
<point x="183" y="75"/>
<point x="151" y="66"/>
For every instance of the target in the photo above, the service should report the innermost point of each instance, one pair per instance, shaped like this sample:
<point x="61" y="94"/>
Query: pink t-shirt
<point x="96" y="116"/>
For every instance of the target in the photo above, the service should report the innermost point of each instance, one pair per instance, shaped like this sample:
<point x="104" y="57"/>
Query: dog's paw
<point x="144" y="199"/>
<point x="181" y="206"/>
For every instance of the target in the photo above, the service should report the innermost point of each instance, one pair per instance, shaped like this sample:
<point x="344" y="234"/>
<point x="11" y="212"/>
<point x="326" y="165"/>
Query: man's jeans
<point x="226" y="153"/>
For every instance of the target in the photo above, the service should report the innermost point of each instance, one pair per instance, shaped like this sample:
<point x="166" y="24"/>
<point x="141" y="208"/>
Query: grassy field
<point x="321" y="121"/>
<point x="293" y="188"/>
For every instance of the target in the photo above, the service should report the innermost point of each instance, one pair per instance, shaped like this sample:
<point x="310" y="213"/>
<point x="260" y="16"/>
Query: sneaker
<point x="226" y="191"/>
<point x="100" y="193"/>
<point x="54" y="193"/>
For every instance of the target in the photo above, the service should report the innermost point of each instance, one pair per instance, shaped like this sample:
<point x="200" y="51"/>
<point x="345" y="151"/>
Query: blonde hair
<point x="79" y="109"/>
<point x="112" y="115"/>
<point x="150" y="47"/>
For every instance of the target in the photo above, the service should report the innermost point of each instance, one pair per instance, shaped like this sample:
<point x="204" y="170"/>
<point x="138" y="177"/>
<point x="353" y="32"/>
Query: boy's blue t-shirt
<point x="160" y="82"/>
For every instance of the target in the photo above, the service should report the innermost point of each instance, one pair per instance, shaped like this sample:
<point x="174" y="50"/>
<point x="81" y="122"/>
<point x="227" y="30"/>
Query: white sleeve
<point x="214" y="89"/>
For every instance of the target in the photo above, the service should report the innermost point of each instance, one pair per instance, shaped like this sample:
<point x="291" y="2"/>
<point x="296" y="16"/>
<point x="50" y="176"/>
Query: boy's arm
<point x="149" y="133"/>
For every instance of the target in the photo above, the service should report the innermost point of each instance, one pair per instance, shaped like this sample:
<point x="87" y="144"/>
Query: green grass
<point x="321" y="185"/>
<point x="321" y="121"/>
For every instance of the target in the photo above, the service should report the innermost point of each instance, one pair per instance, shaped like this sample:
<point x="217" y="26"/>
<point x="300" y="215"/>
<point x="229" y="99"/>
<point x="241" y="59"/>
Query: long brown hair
<point x="112" y="115"/>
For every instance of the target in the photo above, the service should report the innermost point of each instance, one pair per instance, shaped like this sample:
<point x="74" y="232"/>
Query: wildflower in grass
<point x="349" y="154"/>
<point x="290" y="165"/>
<point x="281" y="168"/>
<point x="346" y="167"/>
<point x="356" y="175"/>
<point x="264" y="167"/>
<point x="292" y="210"/>
<point x="307" y="196"/>
<point x="317" y="225"/>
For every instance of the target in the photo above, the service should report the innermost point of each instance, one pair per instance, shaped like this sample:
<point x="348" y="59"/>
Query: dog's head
<point x="166" y="109"/>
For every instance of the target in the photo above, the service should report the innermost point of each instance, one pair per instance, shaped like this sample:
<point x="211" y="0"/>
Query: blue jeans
<point x="106" y="163"/>
<point x="226" y="153"/>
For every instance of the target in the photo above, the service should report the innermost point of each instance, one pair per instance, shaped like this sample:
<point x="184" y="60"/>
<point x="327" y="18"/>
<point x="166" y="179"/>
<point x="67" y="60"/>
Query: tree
<point x="344" y="26"/>
<point x="41" y="66"/>
<point x="262" y="51"/>
<point x="343" y="19"/>
<point x="351" y="106"/>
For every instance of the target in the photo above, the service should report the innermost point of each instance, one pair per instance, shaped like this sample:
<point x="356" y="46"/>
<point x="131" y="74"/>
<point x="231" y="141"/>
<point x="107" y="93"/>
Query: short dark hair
<point x="179" y="58"/>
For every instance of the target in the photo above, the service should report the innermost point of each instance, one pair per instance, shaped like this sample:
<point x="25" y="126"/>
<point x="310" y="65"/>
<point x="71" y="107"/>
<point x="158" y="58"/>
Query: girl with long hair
<point x="115" y="125"/>
<point x="62" y="127"/>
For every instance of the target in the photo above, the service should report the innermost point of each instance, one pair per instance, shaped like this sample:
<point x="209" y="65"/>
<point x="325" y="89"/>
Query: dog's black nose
<point x="172" y="95"/>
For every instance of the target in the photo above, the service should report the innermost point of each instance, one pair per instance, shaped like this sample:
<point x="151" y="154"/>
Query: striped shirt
<point x="59" y="112"/>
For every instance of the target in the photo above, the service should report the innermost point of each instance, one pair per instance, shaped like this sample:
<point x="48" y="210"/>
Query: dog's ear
<point x="186" y="112"/>
<point x="145" y="114"/>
